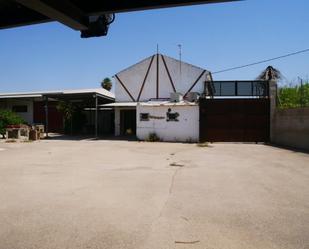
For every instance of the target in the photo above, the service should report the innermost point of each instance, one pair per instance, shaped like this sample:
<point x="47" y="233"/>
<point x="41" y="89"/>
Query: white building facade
<point x="143" y="99"/>
<point x="152" y="118"/>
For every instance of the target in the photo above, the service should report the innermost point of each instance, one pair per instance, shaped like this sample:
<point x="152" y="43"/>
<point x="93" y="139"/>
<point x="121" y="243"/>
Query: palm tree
<point x="270" y="73"/>
<point x="107" y="84"/>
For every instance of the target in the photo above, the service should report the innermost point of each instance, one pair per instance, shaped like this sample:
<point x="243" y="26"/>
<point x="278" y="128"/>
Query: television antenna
<point x="179" y="51"/>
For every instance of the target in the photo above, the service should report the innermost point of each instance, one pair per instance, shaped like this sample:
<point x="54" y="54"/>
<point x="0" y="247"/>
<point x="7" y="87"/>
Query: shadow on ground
<point x="59" y="137"/>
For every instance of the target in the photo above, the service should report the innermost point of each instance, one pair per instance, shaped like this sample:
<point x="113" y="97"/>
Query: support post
<point x="157" y="78"/>
<point x="96" y="117"/>
<point x="46" y="116"/>
<point x="273" y="105"/>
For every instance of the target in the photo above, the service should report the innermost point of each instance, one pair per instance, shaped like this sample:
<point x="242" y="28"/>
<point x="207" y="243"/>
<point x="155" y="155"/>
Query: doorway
<point x="127" y="122"/>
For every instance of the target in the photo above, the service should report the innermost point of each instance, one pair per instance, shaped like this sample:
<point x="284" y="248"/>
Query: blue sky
<point x="217" y="36"/>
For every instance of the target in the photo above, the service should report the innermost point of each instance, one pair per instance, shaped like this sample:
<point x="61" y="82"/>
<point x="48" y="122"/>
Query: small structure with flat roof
<point x="41" y="108"/>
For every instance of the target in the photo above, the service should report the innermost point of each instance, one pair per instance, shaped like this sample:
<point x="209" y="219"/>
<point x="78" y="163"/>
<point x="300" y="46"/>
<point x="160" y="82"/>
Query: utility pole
<point x="301" y="92"/>
<point x="179" y="46"/>
<point x="96" y="117"/>
<point x="46" y="116"/>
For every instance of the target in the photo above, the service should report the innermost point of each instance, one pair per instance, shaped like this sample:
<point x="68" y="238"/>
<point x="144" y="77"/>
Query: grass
<point x="11" y="141"/>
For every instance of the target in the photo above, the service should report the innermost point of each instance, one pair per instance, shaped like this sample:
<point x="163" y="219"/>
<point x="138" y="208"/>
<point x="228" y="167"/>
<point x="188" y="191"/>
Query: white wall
<point x="185" y="130"/>
<point x="182" y="74"/>
<point x="27" y="116"/>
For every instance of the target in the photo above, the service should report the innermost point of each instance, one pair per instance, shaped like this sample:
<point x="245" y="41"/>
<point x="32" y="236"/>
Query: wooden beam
<point x="195" y="82"/>
<point x="168" y="73"/>
<point x="145" y="78"/>
<point x="62" y="11"/>
<point x="110" y="6"/>
<point x="24" y="12"/>
<point x="124" y="87"/>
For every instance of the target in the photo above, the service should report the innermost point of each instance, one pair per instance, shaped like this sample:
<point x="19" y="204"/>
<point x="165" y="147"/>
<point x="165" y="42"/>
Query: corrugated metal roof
<point x="150" y="103"/>
<point x="100" y="91"/>
<point x="168" y="103"/>
<point x="121" y="104"/>
<point x="14" y="96"/>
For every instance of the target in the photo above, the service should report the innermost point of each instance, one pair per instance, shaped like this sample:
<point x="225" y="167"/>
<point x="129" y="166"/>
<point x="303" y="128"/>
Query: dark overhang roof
<point x="76" y="13"/>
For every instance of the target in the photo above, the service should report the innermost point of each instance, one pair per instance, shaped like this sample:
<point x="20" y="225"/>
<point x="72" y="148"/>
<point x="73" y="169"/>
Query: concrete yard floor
<point x="121" y="194"/>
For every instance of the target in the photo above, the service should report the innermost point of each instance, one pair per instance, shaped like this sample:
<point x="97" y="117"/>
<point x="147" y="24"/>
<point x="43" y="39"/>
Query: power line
<point x="263" y="61"/>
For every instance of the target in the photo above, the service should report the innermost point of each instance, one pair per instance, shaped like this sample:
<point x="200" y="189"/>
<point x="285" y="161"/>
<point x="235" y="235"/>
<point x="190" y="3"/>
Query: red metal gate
<point x="55" y="118"/>
<point x="234" y="120"/>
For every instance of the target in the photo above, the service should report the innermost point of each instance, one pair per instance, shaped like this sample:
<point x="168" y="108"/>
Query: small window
<point x="20" y="108"/>
<point x="144" y="116"/>
<point x="172" y="116"/>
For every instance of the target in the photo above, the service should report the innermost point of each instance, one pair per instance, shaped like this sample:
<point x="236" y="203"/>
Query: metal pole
<point x="179" y="46"/>
<point x="96" y="116"/>
<point x="301" y="93"/>
<point x="46" y="116"/>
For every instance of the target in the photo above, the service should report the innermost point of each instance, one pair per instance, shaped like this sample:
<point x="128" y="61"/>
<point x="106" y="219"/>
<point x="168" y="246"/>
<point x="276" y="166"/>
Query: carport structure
<point x="86" y="99"/>
<point x="42" y="107"/>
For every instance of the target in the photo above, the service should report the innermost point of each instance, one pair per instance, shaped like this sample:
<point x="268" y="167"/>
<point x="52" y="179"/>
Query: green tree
<point x="294" y="96"/>
<point x="74" y="118"/>
<point x="67" y="109"/>
<point x="107" y="84"/>
<point x="9" y="118"/>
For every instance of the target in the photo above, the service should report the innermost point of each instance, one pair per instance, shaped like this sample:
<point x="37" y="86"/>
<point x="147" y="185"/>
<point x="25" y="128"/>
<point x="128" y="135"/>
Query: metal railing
<point x="237" y="88"/>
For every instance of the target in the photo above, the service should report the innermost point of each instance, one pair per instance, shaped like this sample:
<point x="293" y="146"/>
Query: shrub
<point x="294" y="96"/>
<point x="153" y="137"/>
<point x="203" y="144"/>
<point x="9" y="118"/>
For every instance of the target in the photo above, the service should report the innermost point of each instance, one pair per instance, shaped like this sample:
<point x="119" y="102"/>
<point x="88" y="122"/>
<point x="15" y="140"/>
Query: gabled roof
<point x="165" y="56"/>
<point x="156" y="77"/>
<point x="141" y="61"/>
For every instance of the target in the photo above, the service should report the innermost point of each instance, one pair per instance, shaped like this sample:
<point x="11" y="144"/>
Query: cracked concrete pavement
<point x="121" y="194"/>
